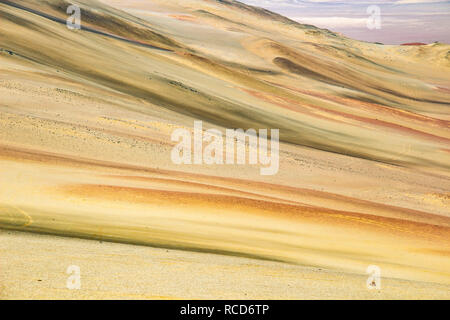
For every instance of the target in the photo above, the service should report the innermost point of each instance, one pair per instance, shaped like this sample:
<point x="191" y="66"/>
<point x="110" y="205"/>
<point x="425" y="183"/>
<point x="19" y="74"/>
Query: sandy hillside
<point x="86" y="118"/>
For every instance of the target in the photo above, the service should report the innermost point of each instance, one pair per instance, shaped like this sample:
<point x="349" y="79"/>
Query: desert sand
<point x="86" y="118"/>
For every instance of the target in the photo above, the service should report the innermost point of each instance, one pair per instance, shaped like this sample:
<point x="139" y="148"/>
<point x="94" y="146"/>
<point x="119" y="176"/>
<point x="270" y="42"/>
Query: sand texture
<point x="86" y="118"/>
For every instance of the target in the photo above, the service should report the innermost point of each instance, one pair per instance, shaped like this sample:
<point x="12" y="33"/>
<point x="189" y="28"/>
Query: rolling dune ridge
<point x="86" y="118"/>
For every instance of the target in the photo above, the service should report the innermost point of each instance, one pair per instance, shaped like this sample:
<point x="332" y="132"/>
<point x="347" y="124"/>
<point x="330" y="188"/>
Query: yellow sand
<point x="85" y="125"/>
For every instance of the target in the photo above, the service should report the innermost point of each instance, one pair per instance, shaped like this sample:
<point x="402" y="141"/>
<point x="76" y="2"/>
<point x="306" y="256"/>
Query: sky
<point x="401" y="21"/>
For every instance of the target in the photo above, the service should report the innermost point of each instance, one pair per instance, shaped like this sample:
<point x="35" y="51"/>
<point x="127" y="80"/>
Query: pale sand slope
<point x="121" y="271"/>
<point x="85" y="124"/>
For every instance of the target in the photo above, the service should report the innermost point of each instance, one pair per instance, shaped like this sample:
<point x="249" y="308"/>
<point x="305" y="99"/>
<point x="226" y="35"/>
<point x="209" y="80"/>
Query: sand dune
<point x="86" y="119"/>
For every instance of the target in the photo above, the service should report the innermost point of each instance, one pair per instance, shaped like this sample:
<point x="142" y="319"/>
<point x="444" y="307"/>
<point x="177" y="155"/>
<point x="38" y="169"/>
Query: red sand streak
<point x="290" y="105"/>
<point x="183" y="17"/>
<point x="353" y="103"/>
<point x="363" y="120"/>
<point x="414" y="44"/>
<point x="441" y="89"/>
